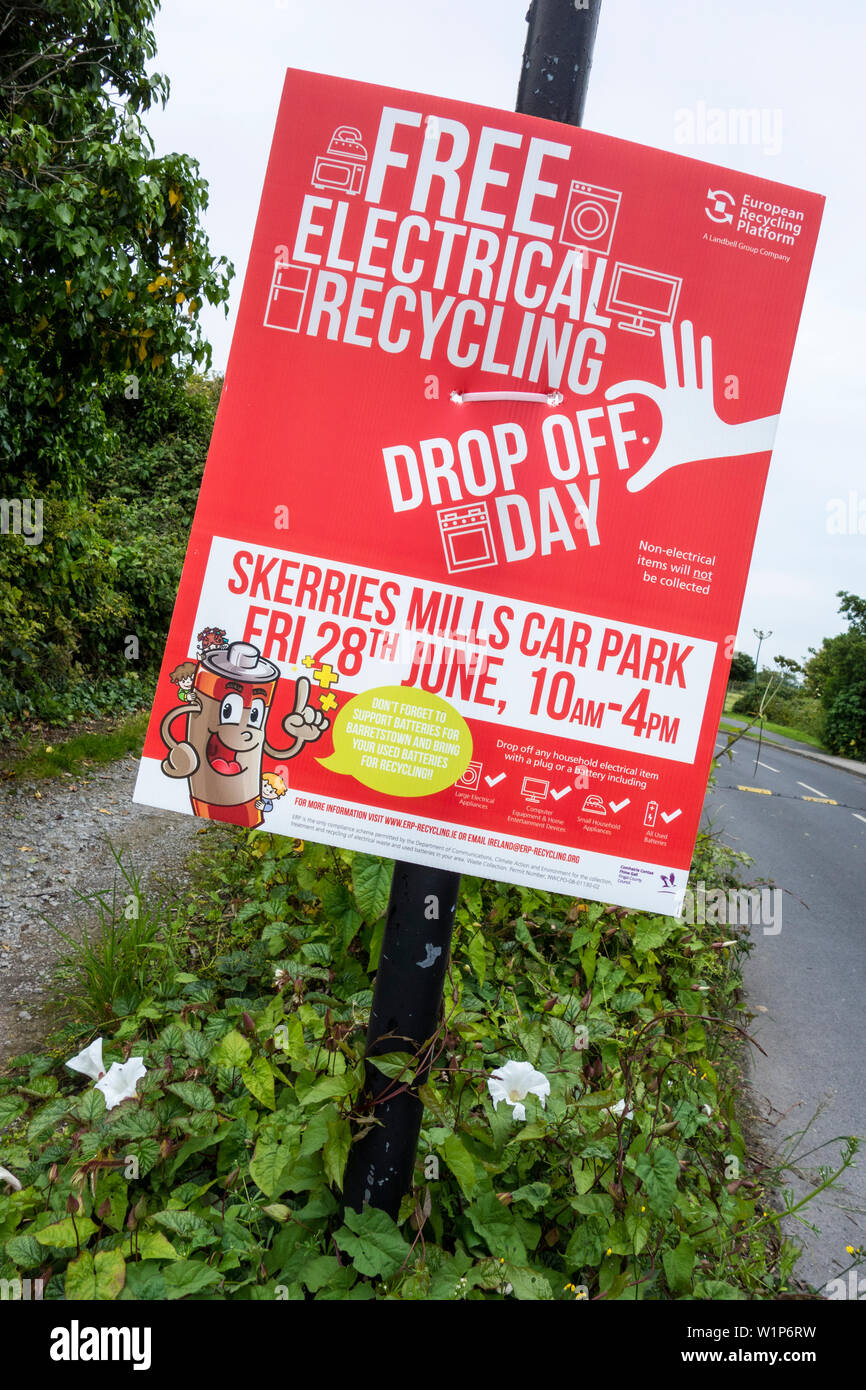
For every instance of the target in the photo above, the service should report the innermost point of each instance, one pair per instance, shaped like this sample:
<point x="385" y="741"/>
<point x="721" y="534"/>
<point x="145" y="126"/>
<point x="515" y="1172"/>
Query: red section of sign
<point x="562" y="563"/>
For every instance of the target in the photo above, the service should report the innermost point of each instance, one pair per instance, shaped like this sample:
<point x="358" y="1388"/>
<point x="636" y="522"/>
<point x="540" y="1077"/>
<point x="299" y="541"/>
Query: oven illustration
<point x="467" y="537"/>
<point x="342" y="169"/>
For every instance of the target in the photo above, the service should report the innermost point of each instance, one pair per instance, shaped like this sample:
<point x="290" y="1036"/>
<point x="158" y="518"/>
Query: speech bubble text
<point x="403" y="742"/>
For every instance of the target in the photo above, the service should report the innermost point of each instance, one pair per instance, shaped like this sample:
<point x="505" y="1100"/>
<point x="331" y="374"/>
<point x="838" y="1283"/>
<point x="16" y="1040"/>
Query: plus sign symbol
<point x="719" y="205"/>
<point x="325" y="677"/>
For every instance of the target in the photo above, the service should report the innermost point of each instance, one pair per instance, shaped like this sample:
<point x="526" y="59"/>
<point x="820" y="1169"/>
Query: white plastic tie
<point x="538" y="397"/>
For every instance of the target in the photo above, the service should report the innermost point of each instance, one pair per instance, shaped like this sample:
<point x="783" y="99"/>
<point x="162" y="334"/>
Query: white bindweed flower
<point x="707" y="1109"/>
<point x="6" y="1176"/>
<point x="120" y="1080"/>
<point x="514" y="1082"/>
<point x="619" y="1109"/>
<point x="89" y="1061"/>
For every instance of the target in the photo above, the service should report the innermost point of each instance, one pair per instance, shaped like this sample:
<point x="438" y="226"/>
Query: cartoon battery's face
<point x="234" y="687"/>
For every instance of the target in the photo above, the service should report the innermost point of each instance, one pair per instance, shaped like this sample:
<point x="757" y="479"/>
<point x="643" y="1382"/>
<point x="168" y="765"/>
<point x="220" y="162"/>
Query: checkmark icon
<point x="616" y="806"/>
<point x="494" y="781"/>
<point x="667" y="817"/>
<point x="563" y="791"/>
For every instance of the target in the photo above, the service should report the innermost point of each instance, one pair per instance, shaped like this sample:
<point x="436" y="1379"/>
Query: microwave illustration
<point x="342" y="169"/>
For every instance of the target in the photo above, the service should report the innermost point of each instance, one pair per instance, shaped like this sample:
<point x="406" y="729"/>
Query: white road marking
<point x="858" y="817"/>
<point x="767" y="766"/>
<point x="811" y="789"/>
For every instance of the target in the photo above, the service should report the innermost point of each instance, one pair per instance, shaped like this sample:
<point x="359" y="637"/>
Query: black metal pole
<point x="557" y="59"/>
<point x="407" y="996"/>
<point x="407" y="1000"/>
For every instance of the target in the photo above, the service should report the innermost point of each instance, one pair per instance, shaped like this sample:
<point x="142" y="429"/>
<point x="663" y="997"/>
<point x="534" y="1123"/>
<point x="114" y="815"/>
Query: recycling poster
<point x="471" y="545"/>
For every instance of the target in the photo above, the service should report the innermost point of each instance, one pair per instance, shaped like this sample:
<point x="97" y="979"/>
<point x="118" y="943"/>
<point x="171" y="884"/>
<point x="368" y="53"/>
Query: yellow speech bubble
<point x="400" y="741"/>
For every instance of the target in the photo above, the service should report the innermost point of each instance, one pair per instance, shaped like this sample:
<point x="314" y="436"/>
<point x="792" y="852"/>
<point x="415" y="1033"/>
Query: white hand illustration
<point x="691" y="429"/>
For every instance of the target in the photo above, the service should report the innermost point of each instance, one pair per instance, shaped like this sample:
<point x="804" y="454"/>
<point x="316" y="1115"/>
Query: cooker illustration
<point x="343" y="168"/>
<point x="467" y="537"/>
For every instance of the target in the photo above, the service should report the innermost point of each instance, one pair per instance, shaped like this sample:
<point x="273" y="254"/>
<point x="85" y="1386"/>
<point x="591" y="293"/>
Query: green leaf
<point x="336" y="1150"/>
<point x="186" y="1277"/>
<point x="659" y="1170"/>
<point x="527" y="1284"/>
<point x="232" y="1051"/>
<point x="318" y="1271"/>
<point x="395" y="1064"/>
<point x="371" y="883"/>
<point x="10" y="1108"/>
<point x="193" y="1094"/>
<point x="259" y="1081"/>
<point x="496" y="1225"/>
<point x="461" y="1163"/>
<point x="147" y="1152"/>
<point x="24" y="1252"/>
<point x="477" y="958"/>
<point x="91" y="1106"/>
<point x="372" y="1241"/>
<point x="110" y="1270"/>
<point x="679" y="1265"/>
<point x="652" y="932"/>
<point x="80" y="1282"/>
<point x="325" y="1088"/>
<point x="144" y="1282"/>
<point x="183" y="1223"/>
<point x="153" y="1245"/>
<point x="270" y="1167"/>
<point x="535" y="1194"/>
<point x="61" y="1234"/>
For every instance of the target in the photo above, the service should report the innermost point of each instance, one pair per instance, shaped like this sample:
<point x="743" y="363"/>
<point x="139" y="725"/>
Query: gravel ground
<point x="55" y="841"/>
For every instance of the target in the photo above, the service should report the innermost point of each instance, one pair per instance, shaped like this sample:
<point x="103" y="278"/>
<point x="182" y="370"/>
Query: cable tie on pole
<point x="539" y="397"/>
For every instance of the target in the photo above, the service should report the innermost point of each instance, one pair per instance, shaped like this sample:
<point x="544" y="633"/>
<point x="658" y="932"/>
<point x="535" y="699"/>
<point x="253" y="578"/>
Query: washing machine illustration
<point x="590" y="217"/>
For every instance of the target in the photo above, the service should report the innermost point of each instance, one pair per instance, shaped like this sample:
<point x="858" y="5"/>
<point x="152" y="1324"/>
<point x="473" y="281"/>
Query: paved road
<point x="807" y="980"/>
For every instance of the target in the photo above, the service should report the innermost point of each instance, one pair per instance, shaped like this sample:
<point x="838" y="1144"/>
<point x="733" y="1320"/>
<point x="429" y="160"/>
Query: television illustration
<point x="646" y="297"/>
<point x="535" y="790"/>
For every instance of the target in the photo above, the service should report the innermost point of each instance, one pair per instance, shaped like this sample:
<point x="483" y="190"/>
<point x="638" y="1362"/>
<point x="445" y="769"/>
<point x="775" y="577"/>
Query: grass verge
<point x="220" y="1176"/>
<point x="31" y="757"/>
<point x="799" y="735"/>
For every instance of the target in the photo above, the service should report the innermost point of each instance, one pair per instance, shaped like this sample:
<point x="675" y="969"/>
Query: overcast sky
<point x="798" y="62"/>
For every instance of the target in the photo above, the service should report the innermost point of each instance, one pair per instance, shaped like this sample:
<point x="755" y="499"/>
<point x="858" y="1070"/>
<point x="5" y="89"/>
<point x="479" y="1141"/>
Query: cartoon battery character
<point x="221" y="751"/>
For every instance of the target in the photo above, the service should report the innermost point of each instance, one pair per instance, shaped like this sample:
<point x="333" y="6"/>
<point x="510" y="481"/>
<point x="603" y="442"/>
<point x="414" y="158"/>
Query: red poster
<point x="470" y="550"/>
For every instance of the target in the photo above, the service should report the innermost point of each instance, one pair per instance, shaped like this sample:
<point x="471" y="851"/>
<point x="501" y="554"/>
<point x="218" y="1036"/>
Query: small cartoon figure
<point x="224" y="738"/>
<point x="273" y="787"/>
<point x="183" y="677"/>
<point x="211" y="639"/>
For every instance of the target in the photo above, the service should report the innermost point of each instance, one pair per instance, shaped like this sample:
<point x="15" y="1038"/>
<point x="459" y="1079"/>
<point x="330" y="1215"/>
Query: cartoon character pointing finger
<point x="220" y="750"/>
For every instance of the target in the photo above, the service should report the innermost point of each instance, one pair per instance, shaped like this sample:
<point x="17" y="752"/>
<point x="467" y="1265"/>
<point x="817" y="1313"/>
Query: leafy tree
<point x="845" y="729"/>
<point x="789" y="669"/>
<point x="742" y="667"/>
<point x="103" y="263"/>
<point x="836" y="674"/>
